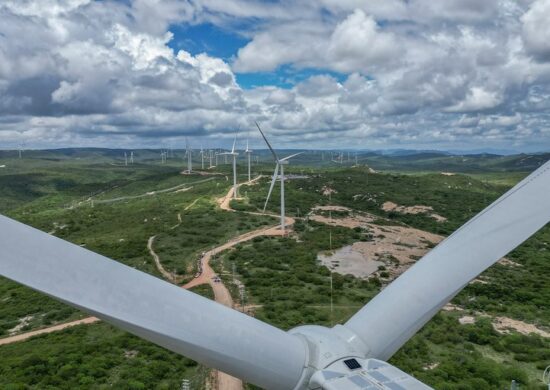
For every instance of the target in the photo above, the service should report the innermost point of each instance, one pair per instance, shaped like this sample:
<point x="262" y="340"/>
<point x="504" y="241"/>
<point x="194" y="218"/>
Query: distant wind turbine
<point x="234" y="155"/>
<point x="188" y="152"/>
<point x="279" y="169"/>
<point x="202" y="158"/>
<point x="248" y="152"/>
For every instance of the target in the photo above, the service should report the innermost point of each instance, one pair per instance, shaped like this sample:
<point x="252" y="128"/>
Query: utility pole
<point x="281" y="167"/>
<point x="185" y="384"/>
<point x="241" y="291"/>
<point x="331" y="305"/>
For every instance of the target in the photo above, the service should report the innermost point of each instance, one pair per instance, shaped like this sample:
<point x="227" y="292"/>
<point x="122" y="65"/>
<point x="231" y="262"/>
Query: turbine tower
<point x="234" y="155"/>
<point x="202" y="158"/>
<point x="248" y="152"/>
<point x="132" y="158"/>
<point x="189" y="153"/>
<point x="279" y="169"/>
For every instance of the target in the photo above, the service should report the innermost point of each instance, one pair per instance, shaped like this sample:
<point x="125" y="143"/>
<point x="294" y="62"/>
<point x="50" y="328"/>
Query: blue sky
<point x="224" y="43"/>
<point x="206" y="38"/>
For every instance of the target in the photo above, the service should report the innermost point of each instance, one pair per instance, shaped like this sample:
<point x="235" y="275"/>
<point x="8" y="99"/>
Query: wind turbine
<point x="279" y="169"/>
<point x="248" y="152"/>
<point x="349" y="356"/>
<point x="188" y="153"/>
<point x="202" y="158"/>
<point x="125" y="159"/>
<point x="132" y="158"/>
<point x="234" y="155"/>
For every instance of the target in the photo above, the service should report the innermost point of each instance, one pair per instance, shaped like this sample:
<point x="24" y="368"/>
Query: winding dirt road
<point x="167" y="275"/>
<point x="221" y="293"/>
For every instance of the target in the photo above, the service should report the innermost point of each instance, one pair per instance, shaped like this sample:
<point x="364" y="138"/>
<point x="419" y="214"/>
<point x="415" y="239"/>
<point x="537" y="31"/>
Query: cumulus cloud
<point x="477" y="99"/>
<point x="385" y="72"/>
<point x="358" y="43"/>
<point x="536" y="33"/>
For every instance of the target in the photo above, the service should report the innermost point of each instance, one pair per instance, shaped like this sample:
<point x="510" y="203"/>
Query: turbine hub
<point x="337" y="361"/>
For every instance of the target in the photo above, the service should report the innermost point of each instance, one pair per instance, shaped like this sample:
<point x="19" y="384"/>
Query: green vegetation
<point x="38" y="310"/>
<point x="448" y="355"/>
<point x="457" y="198"/>
<point x="281" y="275"/>
<point x="204" y="227"/>
<point x="96" y="356"/>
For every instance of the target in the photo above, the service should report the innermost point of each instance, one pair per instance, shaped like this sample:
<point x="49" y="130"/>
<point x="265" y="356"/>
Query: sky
<point x="327" y="74"/>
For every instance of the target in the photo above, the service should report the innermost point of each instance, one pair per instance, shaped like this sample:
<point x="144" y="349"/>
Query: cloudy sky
<point x="373" y="74"/>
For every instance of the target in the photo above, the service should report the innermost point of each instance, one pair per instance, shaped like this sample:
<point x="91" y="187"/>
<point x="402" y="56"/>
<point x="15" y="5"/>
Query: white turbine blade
<point x="272" y="184"/>
<point x="267" y="142"/>
<point x="292" y="155"/>
<point x="163" y="313"/>
<point x="403" y="307"/>
<point x="234" y="142"/>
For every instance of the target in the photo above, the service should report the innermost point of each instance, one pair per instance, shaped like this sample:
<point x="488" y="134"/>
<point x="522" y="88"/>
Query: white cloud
<point x="536" y="33"/>
<point x="358" y="44"/>
<point x="411" y="73"/>
<point x="477" y="99"/>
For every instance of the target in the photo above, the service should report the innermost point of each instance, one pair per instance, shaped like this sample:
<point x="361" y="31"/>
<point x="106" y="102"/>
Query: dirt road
<point x="27" y="335"/>
<point x="224" y="201"/>
<point x="221" y="293"/>
<point x="167" y="275"/>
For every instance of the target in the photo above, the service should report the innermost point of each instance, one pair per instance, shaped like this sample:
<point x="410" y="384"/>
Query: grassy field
<point x="282" y="278"/>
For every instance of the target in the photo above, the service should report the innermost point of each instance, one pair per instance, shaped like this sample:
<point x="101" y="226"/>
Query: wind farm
<point x="370" y="239"/>
<point x="274" y="195"/>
